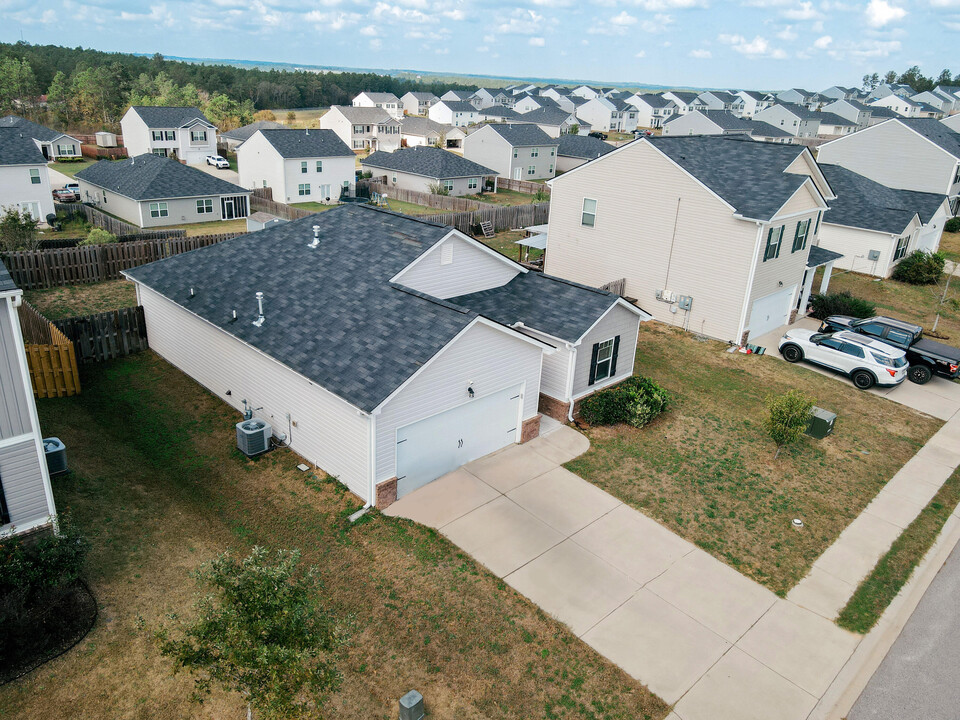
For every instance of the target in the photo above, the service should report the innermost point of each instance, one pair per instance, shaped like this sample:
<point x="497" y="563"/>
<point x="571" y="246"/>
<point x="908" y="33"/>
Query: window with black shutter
<point x="603" y="360"/>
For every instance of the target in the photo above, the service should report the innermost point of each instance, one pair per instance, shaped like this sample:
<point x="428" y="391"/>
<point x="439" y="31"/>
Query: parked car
<point x="638" y="133"/>
<point x="65" y="195"/>
<point x="926" y="357"/>
<point x="597" y="134"/>
<point x="218" y="161"/>
<point x="867" y="362"/>
<point x="75" y="186"/>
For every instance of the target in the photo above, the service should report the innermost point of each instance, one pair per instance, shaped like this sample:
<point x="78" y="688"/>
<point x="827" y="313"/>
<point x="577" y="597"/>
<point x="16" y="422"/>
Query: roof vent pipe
<point x="259" y="321"/>
<point x="316" y="237"/>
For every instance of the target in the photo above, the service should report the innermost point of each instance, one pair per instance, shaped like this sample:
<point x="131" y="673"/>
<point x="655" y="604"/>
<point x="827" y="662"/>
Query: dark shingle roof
<point x="936" y="132"/>
<point x="427" y="161"/>
<point x="151" y="177"/>
<point x="292" y="143"/>
<point x="6" y="282"/>
<point x="722" y="96"/>
<point x="371" y="115"/>
<point x="500" y="112"/>
<point x="878" y="111"/>
<point x="459" y="106"/>
<point x="522" y="135"/>
<point x="725" y="120"/>
<point x="829" y="118"/>
<point x="821" y="256"/>
<point x="686" y="97"/>
<point x="421" y="126"/>
<point x="37" y="132"/>
<point x="462" y="94"/>
<point x="748" y="175"/>
<point x="381" y="97"/>
<point x="582" y="146"/>
<point x="655" y="101"/>
<point x="765" y="129"/>
<point x="168" y="117"/>
<point x="332" y="314"/>
<point x="547" y="116"/>
<point x="800" y="111"/>
<point x="242" y="133"/>
<point x="542" y="302"/>
<point x="18" y="148"/>
<point x="866" y="204"/>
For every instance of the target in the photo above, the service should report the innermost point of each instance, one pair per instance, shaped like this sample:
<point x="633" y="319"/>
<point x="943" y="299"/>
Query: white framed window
<point x="473" y="183"/>
<point x="162" y="152"/>
<point x="604" y="363"/>
<point x="448" y="185"/>
<point x="588" y="217"/>
<point x="158" y="210"/>
<point x="303" y="167"/>
<point x="553" y="152"/>
<point x="303" y="189"/>
<point x="393" y="178"/>
<point x="264" y="183"/>
<point x="65" y="150"/>
<point x="535" y="152"/>
<point x="156" y="134"/>
<point x="31" y="208"/>
<point x="515" y="153"/>
<point x="34" y="177"/>
<point x="531" y="169"/>
<point x="319" y="165"/>
<point x="204" y="206"/>
<point x="902" y="244"/>
<point x="198" y="136"/>
<point x="358" y="129"/>
<point x="358" y="144"/>
<point x="104" y="192"/>
<point x="170" y="135"/>
<point x="774" y="240"/>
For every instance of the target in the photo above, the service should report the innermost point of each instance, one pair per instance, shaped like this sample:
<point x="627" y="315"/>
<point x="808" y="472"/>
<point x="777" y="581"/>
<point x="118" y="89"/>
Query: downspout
<point x="570" y="373"/>
<point x="373" y="459"/>
<point x="753" y="270"/>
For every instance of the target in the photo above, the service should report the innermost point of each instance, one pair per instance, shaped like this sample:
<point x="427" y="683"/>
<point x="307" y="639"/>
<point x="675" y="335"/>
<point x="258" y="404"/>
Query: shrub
<point x="919" y="268"/>
<point x="636" y="401"/>
<point x="541" y="195"/>
<point x="437" y="189"/>
<point x="789" y="416"/>
<point x="952" y="225"/>
<point x="840" y="303"/>
<point x="98" y="236"/>
<point x="18" y="230"/>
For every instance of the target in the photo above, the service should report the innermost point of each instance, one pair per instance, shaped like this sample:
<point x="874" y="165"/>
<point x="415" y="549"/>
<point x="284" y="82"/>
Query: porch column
<point x="805" y="290"/>
<point x="825" y="282"/>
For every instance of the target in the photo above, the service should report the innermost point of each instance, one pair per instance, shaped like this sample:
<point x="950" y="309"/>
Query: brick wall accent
<point x="386" y="494"/>
<point x="530" y="429"/>
<point x="554" y="408"/>
<point x="793" y="317"/>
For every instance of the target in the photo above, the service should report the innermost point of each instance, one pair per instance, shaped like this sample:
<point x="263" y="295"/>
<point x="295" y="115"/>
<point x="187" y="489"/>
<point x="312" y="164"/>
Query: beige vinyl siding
<point x="484" y="358"/>
<point x="23" y="485"/>
<point x="183" y="210"/>
<point x="259" y="162"/>
<point x="856" y="244"/>
<point x="471" y="270"/>
<point x="893" y="155"/>
<point x="805" y="165"/>
<point x="566" y="164"/>
<point x="136" y="134"/>
<point x="119" y="205"/>
<point x="712" y="249"/>
<point x="803" y="201"/>
<point x="617" y="321"/>
<point x="329" y="431"/>
<point x="14" y="400"/>
<point x="420" y="183"/>
<point x="556" y="366"/>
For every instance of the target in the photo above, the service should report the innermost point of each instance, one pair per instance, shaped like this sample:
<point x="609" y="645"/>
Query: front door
<point x="228" y="211"/>
<point x="518" y="173"/>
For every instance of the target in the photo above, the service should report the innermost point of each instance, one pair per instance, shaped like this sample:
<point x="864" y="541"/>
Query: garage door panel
<point x="770" y="312"/>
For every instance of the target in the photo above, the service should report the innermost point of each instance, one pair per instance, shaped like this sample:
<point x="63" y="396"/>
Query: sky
<point x="753" y="44"/>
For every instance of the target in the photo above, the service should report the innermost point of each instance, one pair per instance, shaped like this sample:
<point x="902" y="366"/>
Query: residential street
<point x="920" y="677"/>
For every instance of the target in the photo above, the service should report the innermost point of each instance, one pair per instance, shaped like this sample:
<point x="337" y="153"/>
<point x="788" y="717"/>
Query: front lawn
<point x="159" y="487"/>
<point x="72" y="168"/>
<point x="706" y="469"/>
<point x="72" y="300"/>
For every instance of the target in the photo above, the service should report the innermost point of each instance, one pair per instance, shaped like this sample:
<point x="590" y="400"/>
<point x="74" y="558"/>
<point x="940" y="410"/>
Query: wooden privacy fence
<point x="106" y="335"/>
<point x="503" y="217"/>
<point x="37" y="269"/>
<point x="287" y="212"/>
<point x="441" y="202"/>
<point x="524" y="186"/>
<point x="110" y="224"/>
<point x="263" y="193"/>
<point x="51" y="357"/>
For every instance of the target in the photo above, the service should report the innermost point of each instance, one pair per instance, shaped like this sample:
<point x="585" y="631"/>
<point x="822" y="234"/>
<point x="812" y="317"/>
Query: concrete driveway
<point x="230" y="176"/>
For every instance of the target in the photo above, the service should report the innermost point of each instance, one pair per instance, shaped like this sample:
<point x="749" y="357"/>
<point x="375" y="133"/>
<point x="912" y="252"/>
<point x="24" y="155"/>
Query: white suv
<point x="218" y="161"/>
<point x="866" y="361"/>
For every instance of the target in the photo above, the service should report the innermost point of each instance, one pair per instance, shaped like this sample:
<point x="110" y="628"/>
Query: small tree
<point x="291" y="117"/>
<point x="261" y="115"/>
<point x="789" y="416"/>
<point x="437" y="189"/>
<point x="18" y="230"/>
<point x="98" y="236"/>
<point x="574" y="129"/>
<point x="259" y="631"/>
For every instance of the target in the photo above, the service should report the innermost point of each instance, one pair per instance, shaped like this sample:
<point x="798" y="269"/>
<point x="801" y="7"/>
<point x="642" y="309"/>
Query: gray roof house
<point x="154" y="191"/>
<point x="766" y="132"/>
<point x="554" y="121"/>
<point x="518" y="151"/>
<point x="873" y="226"/>
<point x="416" y="130"/>
<point x="421" y="169"/>
<point x="26" y="496"/>
<point x="379" y="358"/>
<point x="232" y="138"/>
<point x="798" y="120"/>
<point x="417" y="103"/>
<point x="52" y="143"/>
<point x="24" y="177"/>
<point x="575" y="150"/>
<point x="182" y="132"/>
<point x="707" y="122"/>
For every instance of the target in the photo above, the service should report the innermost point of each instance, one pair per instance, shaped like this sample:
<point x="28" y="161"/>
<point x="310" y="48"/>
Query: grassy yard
<point x="216" y="227"/>
<point x="505" y="243"/>
<point x="73" y="300"/>
<point x="314" y="206"/>
<point x="159" y="487"/>
<point x="409" y="208"/>
<point x="505" y="197"/>
<point x="913" y="303"/>
<point x="950" y="246"/>
<point x="706" y="470"/>
<point x="305" y="117"/>
<point x="72" y="168"/>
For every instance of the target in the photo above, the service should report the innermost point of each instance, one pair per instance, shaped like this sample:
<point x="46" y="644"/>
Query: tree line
<point x="92" y="89"/>
<point x="912" y="77"/>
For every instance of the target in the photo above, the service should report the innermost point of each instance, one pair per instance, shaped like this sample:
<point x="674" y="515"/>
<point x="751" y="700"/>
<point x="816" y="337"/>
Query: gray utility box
<point x="411" y="706"/>
<point x="56" y="455"/>
<point x="821" y="422"/>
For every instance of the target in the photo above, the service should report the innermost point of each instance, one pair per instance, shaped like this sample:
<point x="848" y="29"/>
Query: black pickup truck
<point x="926" y="357"/>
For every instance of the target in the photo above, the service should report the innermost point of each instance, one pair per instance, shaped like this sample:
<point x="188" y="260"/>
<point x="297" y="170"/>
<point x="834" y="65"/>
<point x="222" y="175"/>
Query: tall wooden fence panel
<point x="524" y="186"/>
<point x="106" y="335"/>
<point x="107" y="222"/>
<point x="503" y="217"/>
<point x="287" y="212"/>
<point x="441" y="202"/>
<point x="51" y="357"/>
<point x="263" y="193"/>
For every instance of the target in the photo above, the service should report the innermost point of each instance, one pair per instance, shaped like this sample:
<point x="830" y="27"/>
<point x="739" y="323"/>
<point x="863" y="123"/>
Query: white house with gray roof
<point x="421" y="168"/>
<point x="384" y="100"/>
<point x="575" y="150"/>
<point x="852" y="110"/>
<point x="608" y="115"/>
<point x="516" y="151"/>
<point x="750" y="102"/>
<point x="415" y="130"/>
<point x="555" y="122"/>
<point x="299" y="165"/>
<point x="454" y="112"/>
<point x="181" y="132"/>
<point x="833" y="125"/>
<point x="26" y="496"/>
<point x="708" y="122"/>
<point x="652" y="110"/>
<point x="153" y="191"/>
<point x="417" y="103"/>
<point x="233" y="138"/>
<point x="684" y="101"/>
<point x="363" y="128"/>
<point x="53" y="144"/>
<point x="716" y="100"/>
<point x="797" y="120"/>
<point x="390" y="372"/>
<point x="24" y="178"/>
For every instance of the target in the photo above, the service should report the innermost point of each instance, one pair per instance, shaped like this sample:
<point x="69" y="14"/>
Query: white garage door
<point x="770" y="312"/>
<point x="433" y="447"/>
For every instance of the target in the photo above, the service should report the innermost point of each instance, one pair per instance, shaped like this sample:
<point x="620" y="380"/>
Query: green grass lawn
<point x="706" y="470"/>
<point x="71" y="228"/>
<point x="215" y="227"/>
<point x="314" y="206"/>
<point x="159" y="487"/>
<point x="950" y="246"/>
<point x="505" y="197"/>
<point x="409" y="208"/>
<point x="73" y="300"/>
<point x="505" y="243"/>
<point x="72" y="168"/>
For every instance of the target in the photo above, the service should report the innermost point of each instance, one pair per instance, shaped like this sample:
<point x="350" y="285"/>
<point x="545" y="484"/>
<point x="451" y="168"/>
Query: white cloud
<point x="757" y="48"/>
<point x="537" y="41"/>
<point x="804" y="11"/>
<point x="880" y="13"/>
<point x="822" y="43"/>
<point x="617" y="25"/>
<point x="788" y="34"/>
<point x="453" y="14"/>
<point x="386" y="12"/>
<point x="489" y="38"/>
<point x="483" y="49"/>
<point x="641" y="54"/>
<point x="376" y="44"/>
<point x="863" y="50"/>
<point x="701" y="54"/>
<point x="522" y="22"/>
<point x="657" y="24"/>
<point x="369" y="31"/>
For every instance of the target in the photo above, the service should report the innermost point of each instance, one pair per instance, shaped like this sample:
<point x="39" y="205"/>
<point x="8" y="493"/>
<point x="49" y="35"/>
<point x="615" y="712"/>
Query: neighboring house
<point x="838" y="92"/>
<point x="951" y="92"/>
<point x="765" y="132"/>
<point x="418" y="103"/>
<point x="497" y="113"/>
<point x="652" y="110"/>
<point x="423" y="169"/>
<point x="181" y="132"/>
<point x="24" y="178"/>
<point x="903" y="106"/>
<point x="874" y="227"/>
<point x="300" y="165"/>
<point x="940" y="101"/>
<point x="749" y="103"/>
<point x="556" y="93"/>
<point x="455" y="136"/>
<point x="575" y="150"/>
<point x="152" y="191"/>
<point x="490" y="97"/>
<point x="797" y="120"/>
<point x="457" y="95"/>
<point x="952" y="122"/>
<point x="708" y="122"/>
<point x="53" y="145"/>
<point x="385" y="101"/>
<point x="885" y="89"/>
<point x="393" y="370"/>
<point x="833" y="125"/>
<point x="586" y="92"/>
<point x="881" y="114"/>
<point x="26" y="497"/>
<point x="921" y="155"/>
<point x="684" y="101"/>
<point x="527" y="103"/>
<point x="606" y="115"/>
<point x="752" y="272"/>
<point x="450" y="112"/>
<point x="852" y="110"/>
<point x="798" y="96"/>
<point x="363" y="128"/>
<point x="415" y="130"/>
<point x="716" y="100"/>
<point x="517" y="151"/>
<point x="233" y="138"/>
<point x="554" y="121"/>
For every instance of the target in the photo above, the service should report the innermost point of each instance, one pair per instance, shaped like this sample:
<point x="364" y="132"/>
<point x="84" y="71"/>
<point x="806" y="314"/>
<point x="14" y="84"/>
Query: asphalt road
<point x="920" y="676"/>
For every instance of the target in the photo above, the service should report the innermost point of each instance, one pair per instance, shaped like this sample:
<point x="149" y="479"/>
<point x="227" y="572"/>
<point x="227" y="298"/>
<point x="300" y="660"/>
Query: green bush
<point x="636" y="401"/>
<point x="919" y="268"/>
<point x="98" y="236"/>
<point x="789" y="416"/>
<point x="953" y="225"/>
<point x="840" y="303"/>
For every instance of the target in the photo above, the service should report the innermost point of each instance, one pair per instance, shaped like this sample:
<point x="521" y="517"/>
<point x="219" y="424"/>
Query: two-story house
<point x="516" y="151"/>
<point x="652" y="110"/>
<point x="852" y="110"/>
<point x="453" y="112"/>
<point x="554" y="121"/>
<point x="797" y="120"/>
<point x="385" y="101"/>
<point x="300" y="165"/>
<point x="715" y="100"/>
<point x="838" y="92"/>
<point x="708" y="122"/>
<point x="24" y="179"/>
<point x="750" y="102"/>
<point x="426" y="169"/>
<point x="417" y="103"/>
<point x="750" y="274"/>
<point x="181" y="132"/>
<point x="684" y="101"/>
<point x="527" y="103"/>
<point x="608" y="115"/>
<point x="53" y="145"/>
<point x="363" y="128"/>
<point x="798" y="96"/>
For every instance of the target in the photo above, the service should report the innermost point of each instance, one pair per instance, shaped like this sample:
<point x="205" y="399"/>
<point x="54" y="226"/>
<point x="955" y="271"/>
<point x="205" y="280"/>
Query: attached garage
<point x="770" y="312"/>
